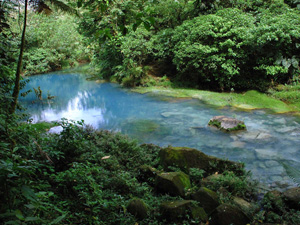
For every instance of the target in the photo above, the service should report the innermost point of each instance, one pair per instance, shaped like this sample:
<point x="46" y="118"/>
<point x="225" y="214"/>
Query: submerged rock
<point x="170" y="114"/>
<point x="255" y="135"/>
<point x="227" y="123"/>
<point x="177" y="210"/>
<point x="186" y="158"/>
<point x="173" y="183"/>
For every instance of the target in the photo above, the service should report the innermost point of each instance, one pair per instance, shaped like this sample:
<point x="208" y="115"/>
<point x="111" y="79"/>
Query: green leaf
<point x="286" y="63"/>
<point x="58" y="219"/>
<point x="19" y="215"/>
<point x="151" y="20"/>
<point x="28" y="193"/>
<point x="147" y="25"/>
<point x="29" y="219"/>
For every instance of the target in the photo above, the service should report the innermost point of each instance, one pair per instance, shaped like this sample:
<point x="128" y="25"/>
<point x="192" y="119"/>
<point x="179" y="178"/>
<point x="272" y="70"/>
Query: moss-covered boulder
<point x="176" y="211"/>
<point x="207" y="199"/>
<point x="173" y="183"/>
<point x="292" y="197"/>
<point x="226" y="214"/>
<point x="227" y="123"/>
<point x="146" y="174"/>
<point x="186" y="158"/>
<point x="137" y="208"/>
<point x="248" y="208"/>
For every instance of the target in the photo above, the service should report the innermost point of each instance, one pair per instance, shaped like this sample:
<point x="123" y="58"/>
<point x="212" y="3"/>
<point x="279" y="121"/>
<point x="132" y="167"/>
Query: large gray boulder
<point x="227" y="123"/>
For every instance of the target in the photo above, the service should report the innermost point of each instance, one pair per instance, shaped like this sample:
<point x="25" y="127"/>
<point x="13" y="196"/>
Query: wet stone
<point x="276" y="179"/>
<point x="238" y="144"/>
<point x="265" y="154"/>
<point x="285" y="129"/>
<point x="170" y="114"/>
<point x="280" y="120"/>
<point x="271" y="163"/>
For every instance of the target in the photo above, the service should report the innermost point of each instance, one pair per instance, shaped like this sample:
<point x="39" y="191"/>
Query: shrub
<point x="52" y="43"/>
<point x="211" y="50"/>
<point x="276" y="44"/>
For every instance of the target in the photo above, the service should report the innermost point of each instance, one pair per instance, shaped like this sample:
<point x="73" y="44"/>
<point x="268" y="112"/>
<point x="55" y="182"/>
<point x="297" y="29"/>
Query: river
<point x="270" y="147"/>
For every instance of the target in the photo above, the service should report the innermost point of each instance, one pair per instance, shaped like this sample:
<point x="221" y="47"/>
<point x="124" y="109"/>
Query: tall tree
<point x="19" y="66"/>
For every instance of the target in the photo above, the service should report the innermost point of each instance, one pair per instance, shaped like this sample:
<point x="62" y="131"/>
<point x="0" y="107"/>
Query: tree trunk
<point x="16" y="91"/>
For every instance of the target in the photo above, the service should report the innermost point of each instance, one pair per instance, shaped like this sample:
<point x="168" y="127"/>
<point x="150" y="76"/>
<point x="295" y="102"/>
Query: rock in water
<point x="227" y="123"/>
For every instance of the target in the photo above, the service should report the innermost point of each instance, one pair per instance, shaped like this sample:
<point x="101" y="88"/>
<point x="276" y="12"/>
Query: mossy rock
<point x="227" y="123"/>
<point x="226" y="214"/>
<point x="138" y="208"/>
<point x="146" y="173"/>
<point x="248" y="208"/>
<point x="292" y="197"/>
<point x="186" y="158"/>
<point x="176" y="211"/>
<point x="173" y="183"/>
<point x="207" y="199"/>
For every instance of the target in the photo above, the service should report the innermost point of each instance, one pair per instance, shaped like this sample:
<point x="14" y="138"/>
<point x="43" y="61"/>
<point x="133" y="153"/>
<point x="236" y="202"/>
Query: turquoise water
<point x="270" y="147"/>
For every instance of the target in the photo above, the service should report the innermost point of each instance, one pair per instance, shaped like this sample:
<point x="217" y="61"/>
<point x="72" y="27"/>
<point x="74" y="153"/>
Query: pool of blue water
<point x="270" y="147"/>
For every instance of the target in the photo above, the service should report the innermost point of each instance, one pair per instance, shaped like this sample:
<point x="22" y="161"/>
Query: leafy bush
<point x="276" y="44"/>
<point x="235" y="185"/>
<point x="210" y="50"/>
<point x="52" y="43"/>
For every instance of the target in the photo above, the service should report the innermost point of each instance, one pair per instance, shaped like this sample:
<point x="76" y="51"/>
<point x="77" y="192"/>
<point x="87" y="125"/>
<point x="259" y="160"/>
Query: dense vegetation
<point x="52" y="43"/>
<point x="83" y="176"/>
<point x="220" y="45"/>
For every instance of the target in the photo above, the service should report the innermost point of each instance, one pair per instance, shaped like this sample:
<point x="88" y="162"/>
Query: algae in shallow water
<point x="142" y="128"/>
<point x="249" y="100"/>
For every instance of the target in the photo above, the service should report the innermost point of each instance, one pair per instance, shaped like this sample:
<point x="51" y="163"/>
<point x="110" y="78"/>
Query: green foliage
<point x="276" y="44"/>
<point x="210" y="50"/>
<point x="287" y="93"/>
<point x="216" y="45"/>
<point x="52" y="43"/>
<point x="236" y="185"/>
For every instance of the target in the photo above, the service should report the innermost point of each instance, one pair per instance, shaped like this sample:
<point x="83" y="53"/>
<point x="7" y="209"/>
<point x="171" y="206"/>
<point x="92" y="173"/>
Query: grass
<point x="41" y="127"/>
<point x="287" y="93"/>
<point x="247" y="101"/>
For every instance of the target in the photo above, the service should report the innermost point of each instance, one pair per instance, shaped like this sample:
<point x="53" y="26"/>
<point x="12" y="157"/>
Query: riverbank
<point x="89" y="176"/>
<point x="249" y="100"/>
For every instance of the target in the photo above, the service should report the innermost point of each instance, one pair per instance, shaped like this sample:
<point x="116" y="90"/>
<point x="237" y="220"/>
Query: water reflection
<point x="269" y="147"/>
